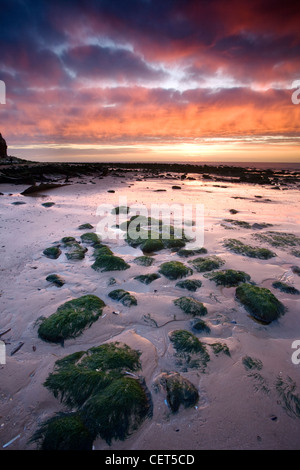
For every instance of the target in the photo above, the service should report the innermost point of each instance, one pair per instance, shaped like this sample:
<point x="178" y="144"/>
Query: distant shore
<point x="18" y="171"/>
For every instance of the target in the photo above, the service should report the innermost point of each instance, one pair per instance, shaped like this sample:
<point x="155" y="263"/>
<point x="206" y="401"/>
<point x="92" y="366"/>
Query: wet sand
<point x="234" y="410"/>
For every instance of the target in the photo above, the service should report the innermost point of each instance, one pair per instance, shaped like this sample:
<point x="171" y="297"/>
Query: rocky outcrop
<point x="3" y="147"/>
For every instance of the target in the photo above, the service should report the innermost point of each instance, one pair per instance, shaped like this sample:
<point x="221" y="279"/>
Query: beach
<point x="238" y="408"/>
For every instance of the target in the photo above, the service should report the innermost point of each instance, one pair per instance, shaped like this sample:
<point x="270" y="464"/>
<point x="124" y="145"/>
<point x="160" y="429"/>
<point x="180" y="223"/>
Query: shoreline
<point x="233" y="410"/>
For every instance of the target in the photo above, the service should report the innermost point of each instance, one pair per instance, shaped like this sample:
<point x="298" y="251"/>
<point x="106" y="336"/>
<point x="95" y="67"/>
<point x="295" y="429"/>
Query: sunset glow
<point x="148" y="80"/>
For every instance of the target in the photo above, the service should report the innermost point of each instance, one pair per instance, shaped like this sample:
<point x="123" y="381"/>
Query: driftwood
<point x="2" y="333"/>
<point x="41" y="187"/>
<point x="16" y="348"/>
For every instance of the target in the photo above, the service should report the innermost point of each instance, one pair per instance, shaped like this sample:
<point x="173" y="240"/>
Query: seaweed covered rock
<point x="109" y="263"/>
<point x="147" y="278"/>
<point x="286" y="288"/>
<point x="75" y="251"/>
<point x="175" y="270"/>
<point x="55" y="279"/>
<point x="189" y="284"/>
<point x="199" y="326"/>
<point x="220" y="348"/>
<point x="260" y="302"/>
<point x="120" y="210"/>
<point x="123" y="296"/>
<point x="101" y="250"/>
<point x="179" y="390"/>
<point x="278" y="239"/>
<point x="108" y="399"/>
<point x="240" y="248"/>
<point x="185" y="253"/>
<point x="191" y="306"/>
<point x="64" y="431"/>
<point x="228" y="277"/>
<point x="53" y="252"/>
<point x="90" y="238"/>
<point x="85" y="227"/>
<point x="70" y="319"/>
<point x="189" y="349"/>
<point x="150" y="246"/>
<point x="143" y="260"/>
<point x="207" y="263"/>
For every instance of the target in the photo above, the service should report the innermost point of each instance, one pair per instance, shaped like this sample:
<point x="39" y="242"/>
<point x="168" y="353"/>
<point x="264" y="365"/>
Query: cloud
<point x="117" y="65"/>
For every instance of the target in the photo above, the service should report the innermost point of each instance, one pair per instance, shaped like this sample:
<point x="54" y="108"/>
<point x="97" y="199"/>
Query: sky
<point x="151" y="80"/>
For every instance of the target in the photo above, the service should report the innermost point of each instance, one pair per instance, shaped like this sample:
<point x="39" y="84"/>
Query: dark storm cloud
<point x="95" y="61"/>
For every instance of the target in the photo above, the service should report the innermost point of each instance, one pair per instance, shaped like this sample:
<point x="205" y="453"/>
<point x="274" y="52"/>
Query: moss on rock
<point x="286" y="288"/>
<point x="53" y="252"/>
<point x="179" y="390"/>
<point x="175" y="270"/>
<point x="75" y="251"/>
<point x="236" y="246"/>
<point x="207" y="263"/>
<point x="185" y="253"/>
<point x="123" y="296"/>
<point x="189" y="284"/>
<point x="110" y="403"/>
<point x="228" y="277"/>
<point x="199" y="326"/>
<point x="109" y="263"/>
<point x="85" y="227"/>
<point x="260" y="302"/>
<point x="143" y="260"/>
<point x="191" y="306"/>
<point x="65" y="431"/>
<point x="71" y="319"/>
<point x="90" y="238"/>
<point x="55" y="279"/>
<point x="147" y="278"/>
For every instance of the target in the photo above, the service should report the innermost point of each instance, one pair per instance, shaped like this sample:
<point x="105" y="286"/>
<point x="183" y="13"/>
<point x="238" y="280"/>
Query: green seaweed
<point x="260" y="302"/>
<point x="278" y="239"/>
<point x="120" y="210"/>
<point x="147" y="278"/>
<point x="191" y="252"/>
<point x="220" y="348"/>
<point x="286" y="389"/>
<point x="190" y="349"/>
<point x="199" y="325"/>
<point x="90" y="238"/>
<point x="191" y="306"/>
<point x="239" y="223"/>
<point x="85" y="227"/>
<point x="180" y="391"/>
<point x="295" y="253"/>
<point x="189" y="284"/>
<point x="251" y="363"/>
<point x="55" y="279"/>
<point x="228" y="277"/>
<point x="66" y="240"/>
<point x="207" y="263"/>
<point x="109" y="263"/>
<point x="123" y="296"/>
<point x="71" y="319"/>
<point x="64" y="431"/>
<point x="53" y="252"/>
<point x="236" y="246"/>
<point x="174" y="270"/>
<point x="108" y="400"/>
<point x="143" y="260"/>
<point x="74" y="250"/>
<point x="283" y="287"/>
<point x="48" y="204"/>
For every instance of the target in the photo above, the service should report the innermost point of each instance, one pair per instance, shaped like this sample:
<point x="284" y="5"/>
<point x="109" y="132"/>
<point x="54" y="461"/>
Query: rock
<point x="180" y="391"/>
<point x="3" y="147"/>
